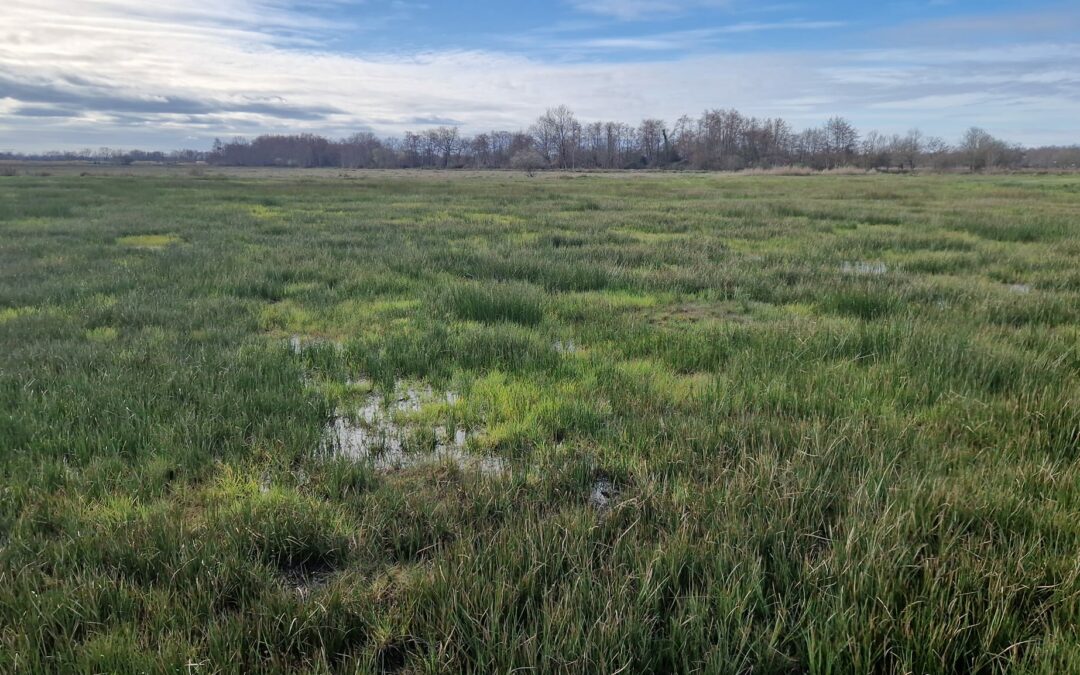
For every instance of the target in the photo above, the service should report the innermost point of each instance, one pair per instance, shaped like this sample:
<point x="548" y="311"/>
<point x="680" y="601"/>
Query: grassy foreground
<point x="836" y="419"/>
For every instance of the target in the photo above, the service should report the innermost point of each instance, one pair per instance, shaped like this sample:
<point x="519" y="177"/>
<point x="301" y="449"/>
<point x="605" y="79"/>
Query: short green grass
<point x="150" y="241"/>
<point x="839" y="416"/>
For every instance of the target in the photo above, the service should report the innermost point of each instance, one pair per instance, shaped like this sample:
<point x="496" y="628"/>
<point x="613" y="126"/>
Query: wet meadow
<point x="480" y="422"/>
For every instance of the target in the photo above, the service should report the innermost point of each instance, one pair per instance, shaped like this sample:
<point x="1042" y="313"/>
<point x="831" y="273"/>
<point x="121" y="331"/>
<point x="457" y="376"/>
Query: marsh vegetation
<point x="819" y="424"/>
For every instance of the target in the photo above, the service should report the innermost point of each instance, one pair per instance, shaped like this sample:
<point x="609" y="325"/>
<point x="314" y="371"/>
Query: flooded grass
<point x="864" y="267"/>
<point x="299" y="343"/>
<point x="565" y="346"/>
<point x="384" y="432"/>
<point x="485" y="423"/>
<point x="603" y="494"/>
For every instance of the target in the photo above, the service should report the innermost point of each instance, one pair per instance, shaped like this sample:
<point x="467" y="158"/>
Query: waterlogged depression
<point x="864" y="267"/>
<point x="603" y="494"/>
<point x="383" y="431"/>
<point x="389" y="430"/>
<point x="298" y="344"/>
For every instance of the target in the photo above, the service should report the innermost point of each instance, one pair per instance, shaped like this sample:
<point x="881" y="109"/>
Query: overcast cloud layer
<point x="126" y="73"/>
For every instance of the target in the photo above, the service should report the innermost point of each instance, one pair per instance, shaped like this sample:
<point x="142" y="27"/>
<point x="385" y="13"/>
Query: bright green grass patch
<point x="149" y="241"/>
<point x="349" y="318"/>
<point x="264" y="212"/>
<point x="102" y="334"/>
<point x="12" y="313"/>
<point x="289" y="318"/>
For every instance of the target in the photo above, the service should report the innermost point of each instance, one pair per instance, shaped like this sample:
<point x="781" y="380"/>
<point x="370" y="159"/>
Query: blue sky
<point x="131" y="73"/>
<point x="643" y="29"/>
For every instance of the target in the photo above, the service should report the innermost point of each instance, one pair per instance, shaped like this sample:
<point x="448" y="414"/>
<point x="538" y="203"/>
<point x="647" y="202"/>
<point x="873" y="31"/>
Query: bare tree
<point x="652" y="137"/>
<point x="876" y="150"/>
<point x="444" y="142"/>
<point x="558" y="136"/>
<point x="978" y="148"/>
<point x="841" y="140"/>
<point x="909" y="148"/>
<point x="717" y="140"/>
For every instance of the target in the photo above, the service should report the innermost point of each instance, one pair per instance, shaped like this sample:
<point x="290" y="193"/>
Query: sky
<point x="164" y="74"/>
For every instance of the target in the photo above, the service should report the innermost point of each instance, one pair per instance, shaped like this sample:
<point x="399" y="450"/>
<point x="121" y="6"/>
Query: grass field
<point x="582" y="424"/>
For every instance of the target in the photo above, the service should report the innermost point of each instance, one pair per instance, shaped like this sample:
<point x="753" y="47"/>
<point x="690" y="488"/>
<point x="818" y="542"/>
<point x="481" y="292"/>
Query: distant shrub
<point x="528" y="161"/>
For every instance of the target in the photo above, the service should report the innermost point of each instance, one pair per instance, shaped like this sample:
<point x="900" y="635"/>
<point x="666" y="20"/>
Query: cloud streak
<point x="631" y="10"/>
<point x="671" y="41"/>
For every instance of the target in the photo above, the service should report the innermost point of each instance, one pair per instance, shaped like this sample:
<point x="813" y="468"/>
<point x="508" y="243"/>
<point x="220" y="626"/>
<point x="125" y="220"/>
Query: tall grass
<point x="493" y="302"/>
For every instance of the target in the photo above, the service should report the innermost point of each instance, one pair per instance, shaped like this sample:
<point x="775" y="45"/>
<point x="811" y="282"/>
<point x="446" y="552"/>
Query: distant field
<point x="434" y="422"/>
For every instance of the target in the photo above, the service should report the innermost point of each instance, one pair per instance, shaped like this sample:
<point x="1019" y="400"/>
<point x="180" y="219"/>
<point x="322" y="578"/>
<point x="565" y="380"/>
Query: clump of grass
<point x="287" y="531"/>
<point x="867" y="303"/>
<point x="493" y="302"/>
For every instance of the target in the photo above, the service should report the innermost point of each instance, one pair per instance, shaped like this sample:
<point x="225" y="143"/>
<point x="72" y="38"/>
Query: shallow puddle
<point x="565" y="346"/>
<point x="864" y="267"/>
<point x="603" y="494"/>
<point x="299" y="343"/>
<point x="304" y="580"/>
<point x="379" y="431"/>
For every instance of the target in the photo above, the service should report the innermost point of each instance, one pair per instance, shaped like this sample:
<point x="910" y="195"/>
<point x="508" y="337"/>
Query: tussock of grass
<point x="493" y="302"/>
<point x="864" y="303"/>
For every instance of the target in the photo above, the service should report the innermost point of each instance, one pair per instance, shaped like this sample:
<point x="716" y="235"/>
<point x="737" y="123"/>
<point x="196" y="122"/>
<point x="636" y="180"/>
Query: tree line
<point x="718" y="140"/>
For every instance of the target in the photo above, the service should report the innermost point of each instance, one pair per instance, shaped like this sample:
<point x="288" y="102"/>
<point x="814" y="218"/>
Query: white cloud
<point x="81" y="72"/>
